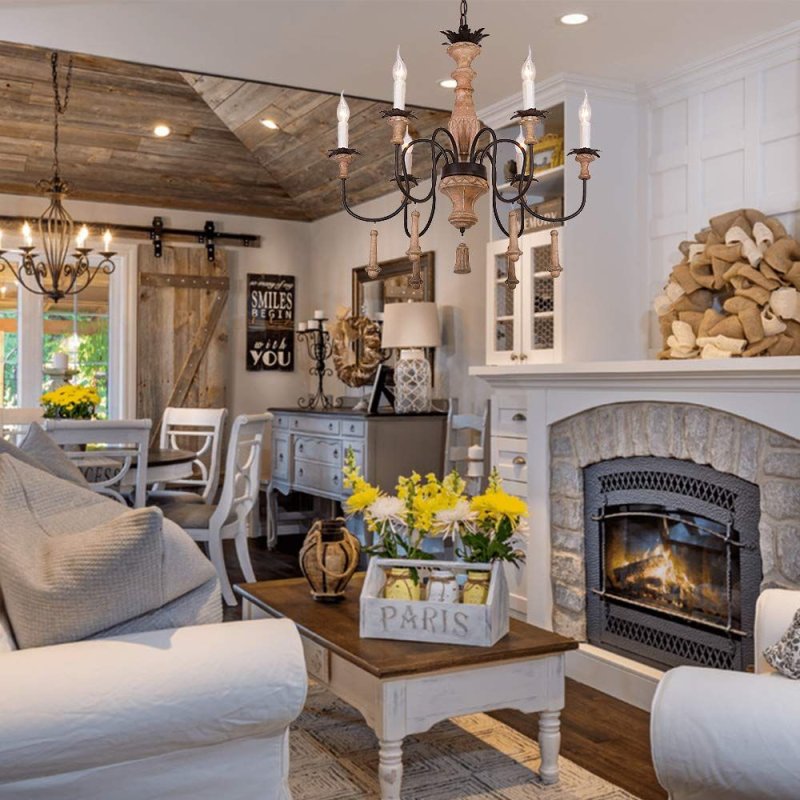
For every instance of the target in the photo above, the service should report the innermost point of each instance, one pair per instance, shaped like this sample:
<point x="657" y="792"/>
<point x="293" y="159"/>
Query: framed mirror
<point x="371" y="295"/>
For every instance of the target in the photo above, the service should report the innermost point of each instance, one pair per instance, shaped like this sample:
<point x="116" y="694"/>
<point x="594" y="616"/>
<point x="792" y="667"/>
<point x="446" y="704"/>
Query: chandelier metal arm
<point x="489" y="152"/>
<point x="403" y="179"/>
<point x="557" y="219"/>
<point x="352" y="213"/>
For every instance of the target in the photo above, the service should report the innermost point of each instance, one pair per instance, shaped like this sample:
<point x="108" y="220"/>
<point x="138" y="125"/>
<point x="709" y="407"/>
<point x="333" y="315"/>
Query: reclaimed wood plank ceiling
<point x="219" y="158"/>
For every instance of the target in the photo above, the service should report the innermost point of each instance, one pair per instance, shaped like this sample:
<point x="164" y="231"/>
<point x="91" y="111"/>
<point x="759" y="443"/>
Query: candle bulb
<point x="1" y="239"/>
<point x="26" y="233"/>
<point x="83" y="235"/>
<point x="343" y="115"/>
<point x="319" y="314"/>
<point x="528" y="75"/>
<point x="107" y="240"/>
<point x="399" y="73"/>
<point x="407" y="156"/>
<point x="585" y="118"/>
<point x="520" y="154"/>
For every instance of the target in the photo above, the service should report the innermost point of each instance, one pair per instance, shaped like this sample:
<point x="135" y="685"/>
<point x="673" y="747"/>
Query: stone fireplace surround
<point x="724" y="441"/>
<point x="728" y="394"/>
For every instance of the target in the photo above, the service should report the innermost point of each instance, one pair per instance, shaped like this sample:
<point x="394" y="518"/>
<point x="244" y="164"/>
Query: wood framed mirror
<point x="370" y="295"/>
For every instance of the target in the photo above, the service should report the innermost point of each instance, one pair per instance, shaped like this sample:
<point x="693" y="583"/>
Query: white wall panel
<point x="723" y="183"/>
<point x="723" y="110"/>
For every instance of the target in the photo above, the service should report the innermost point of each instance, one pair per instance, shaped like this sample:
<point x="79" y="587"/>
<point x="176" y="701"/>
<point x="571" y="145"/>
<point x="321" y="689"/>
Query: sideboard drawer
<point x="319" y="477"/>
<point x="328" y="451"/>
<point x="353" y="427"/>
<point x="318" y="660"/>
<point x="280" y="456"/>
<point x="510" y="457"/>
<point x="510" y="416"/>
<point x="281" y="421"/>
<point x="311" y="424"/>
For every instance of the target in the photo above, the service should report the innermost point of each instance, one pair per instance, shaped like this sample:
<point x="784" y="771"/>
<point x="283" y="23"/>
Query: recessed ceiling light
<point x="448" y="83"/>
<point x="574" y="19"/>
<point x="162" y="130"/>
<point x="270" y="123"/>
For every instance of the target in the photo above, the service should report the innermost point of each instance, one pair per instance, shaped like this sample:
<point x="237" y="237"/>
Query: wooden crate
<point x="423" y="621"/>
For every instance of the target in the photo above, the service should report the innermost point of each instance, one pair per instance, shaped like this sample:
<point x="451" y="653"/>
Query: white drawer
<point x="510" y="457"/>
<point x="327" y="451"/>
<point x="312" y="424"/>
<point x="510" y="415"/>
<point x="319" y="477"/>
<point x="353" y="427"/>
<point x="517" y="488"/>
<point x="281" y="421"/>
<point x="280" y="456"/>
<point x="357" y="446"/>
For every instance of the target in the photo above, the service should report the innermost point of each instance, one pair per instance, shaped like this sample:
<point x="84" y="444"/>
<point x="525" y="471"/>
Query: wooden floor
<point x="603" y="735"/>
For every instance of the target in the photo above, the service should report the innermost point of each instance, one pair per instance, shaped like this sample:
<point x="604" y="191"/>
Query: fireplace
<point x="672" y="561"/>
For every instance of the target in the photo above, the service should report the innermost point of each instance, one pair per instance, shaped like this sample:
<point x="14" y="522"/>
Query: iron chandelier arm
<point x="403" y="178"/>
<point x="489" y="151"/>
<point x="496" y="195"/>
<point x="352" y="213"/>
<point x="558" y="219"/>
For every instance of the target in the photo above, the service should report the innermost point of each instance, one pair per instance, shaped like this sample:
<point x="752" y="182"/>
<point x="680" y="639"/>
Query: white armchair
<point x="200" y="712"/>
<point x="732" y="735"/>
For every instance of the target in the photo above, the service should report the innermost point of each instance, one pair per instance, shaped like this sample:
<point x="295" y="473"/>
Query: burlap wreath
<point x="735" y="292"/>
<point x="351" y="369"/>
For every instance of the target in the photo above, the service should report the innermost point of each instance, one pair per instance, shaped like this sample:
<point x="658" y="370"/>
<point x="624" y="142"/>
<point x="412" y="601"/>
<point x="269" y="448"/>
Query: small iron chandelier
<point x="461" y="156"/>
<point x="53" y="274"/>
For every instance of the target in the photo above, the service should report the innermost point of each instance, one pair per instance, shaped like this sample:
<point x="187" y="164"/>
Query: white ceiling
<point x="332" y="45"/>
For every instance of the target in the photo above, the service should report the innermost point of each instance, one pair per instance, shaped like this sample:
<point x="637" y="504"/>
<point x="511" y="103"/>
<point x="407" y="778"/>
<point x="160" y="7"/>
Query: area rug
<point x="334" y="756"/>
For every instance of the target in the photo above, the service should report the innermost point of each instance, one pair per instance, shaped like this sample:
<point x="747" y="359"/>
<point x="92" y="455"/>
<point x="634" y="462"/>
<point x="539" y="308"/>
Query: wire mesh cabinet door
<point x="541" y="323"/>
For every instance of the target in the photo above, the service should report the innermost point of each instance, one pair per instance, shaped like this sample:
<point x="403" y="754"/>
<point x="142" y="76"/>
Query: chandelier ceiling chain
<point x="463" y="158"/>
<point x="53" y="274"/>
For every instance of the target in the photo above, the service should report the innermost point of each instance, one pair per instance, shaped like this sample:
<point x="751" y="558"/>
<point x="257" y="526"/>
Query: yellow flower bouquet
<point x="486" y="527"/>
<point x="70" y="402"/>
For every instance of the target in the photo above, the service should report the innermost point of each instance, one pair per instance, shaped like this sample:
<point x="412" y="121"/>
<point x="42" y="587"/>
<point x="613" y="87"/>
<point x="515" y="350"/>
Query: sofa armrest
<point x="86" y="704"/>
<point x="718" y="734"/>
<point x="774" y="611"/>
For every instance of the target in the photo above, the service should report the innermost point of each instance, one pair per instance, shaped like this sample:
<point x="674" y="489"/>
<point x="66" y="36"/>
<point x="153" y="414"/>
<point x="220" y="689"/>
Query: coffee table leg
<point x="549" y="745"/>
<point x="390" y="768"/>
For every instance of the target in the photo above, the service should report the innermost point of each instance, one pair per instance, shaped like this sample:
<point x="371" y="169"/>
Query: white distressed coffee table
<point x="403" y="688"/>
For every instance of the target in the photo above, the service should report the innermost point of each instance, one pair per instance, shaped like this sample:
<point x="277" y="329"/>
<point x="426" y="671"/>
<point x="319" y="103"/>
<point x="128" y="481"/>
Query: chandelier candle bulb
<point x="83" y="235"/>
<point x="528" y="76"/>
<point x="343" y="115"/>
<point x="585" y="118"/>
<point x="26" y="234"/>
<point x="408" y="152"/>
<point x="107" y="240"/>
<point x="520" y="154"/>
<point x="399" y="73"/>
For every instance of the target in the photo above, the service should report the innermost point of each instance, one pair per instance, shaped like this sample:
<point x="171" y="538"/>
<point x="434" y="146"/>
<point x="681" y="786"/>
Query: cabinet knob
<point x="336" y="454"/>
<point x="280" y="456"/>
<point x="296" y="422"/>
<point x="518" y="461"/>
<point x="300" y="472"/>
<point x="352" y="429"/>
<point x="523" y="356"/>
<point x="336" y="479"/>
<point x="330" y="426"/>
<point x="300" y="448"/>
<point x="514" y="356"/>
<point x="519" y="417"/>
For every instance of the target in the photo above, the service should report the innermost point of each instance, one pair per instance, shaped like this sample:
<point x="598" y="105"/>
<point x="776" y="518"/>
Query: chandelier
<point x="462" y="156"/>
<point x="52" y="273"/>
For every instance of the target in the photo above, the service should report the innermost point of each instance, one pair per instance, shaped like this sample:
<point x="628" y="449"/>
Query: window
<point x="9" y="340"/>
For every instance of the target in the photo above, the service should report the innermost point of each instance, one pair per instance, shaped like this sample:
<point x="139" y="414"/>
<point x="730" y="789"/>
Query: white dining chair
<point x="111" y="453"/>
<point x="228" y="519"/>
<point x="14" y="422"/>
<point x="199" y="430"/>
<point x="463" y="431"/>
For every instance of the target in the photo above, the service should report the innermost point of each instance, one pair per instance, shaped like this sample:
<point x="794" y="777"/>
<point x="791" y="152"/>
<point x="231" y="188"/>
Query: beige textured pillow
<point x="63" y="588"/>
<point x="40" y="446"/>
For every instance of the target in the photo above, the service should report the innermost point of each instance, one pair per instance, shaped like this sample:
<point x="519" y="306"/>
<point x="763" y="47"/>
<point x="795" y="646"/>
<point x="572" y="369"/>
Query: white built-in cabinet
<point x="523" y="324"/>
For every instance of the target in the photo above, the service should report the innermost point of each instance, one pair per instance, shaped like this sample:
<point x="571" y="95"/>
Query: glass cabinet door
<point x="503" y="310"/>
<point x="541" y="300"/>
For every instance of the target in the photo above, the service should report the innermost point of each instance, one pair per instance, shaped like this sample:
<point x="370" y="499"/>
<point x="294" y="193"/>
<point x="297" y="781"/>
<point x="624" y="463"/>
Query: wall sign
<point x="270" y="322"/>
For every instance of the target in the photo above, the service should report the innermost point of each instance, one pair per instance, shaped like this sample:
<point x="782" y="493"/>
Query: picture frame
<point x="548" y="152"/>
<point x="383" y="387"/>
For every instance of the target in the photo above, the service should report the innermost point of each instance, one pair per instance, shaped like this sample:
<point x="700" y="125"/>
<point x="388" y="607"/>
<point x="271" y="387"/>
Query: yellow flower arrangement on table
<point x="70" y="402"/>
<point x="486" y="527"/>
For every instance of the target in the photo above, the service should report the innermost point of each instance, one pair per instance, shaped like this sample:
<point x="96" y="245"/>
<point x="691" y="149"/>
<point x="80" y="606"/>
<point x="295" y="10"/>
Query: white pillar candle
<point x="301" y="327"/>
<point x="407" y="157"/>
<point x="60" y="361"/>
<point x="399" y="73"/>
<point x="313" y="324"/>
<point x="528" y="76"/>
<point x="585" y="118"/>
<point x="343" y="115"/>
<point x="319" y="314"/>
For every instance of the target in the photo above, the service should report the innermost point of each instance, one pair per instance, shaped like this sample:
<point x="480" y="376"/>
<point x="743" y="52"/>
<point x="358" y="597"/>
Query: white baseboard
<point x="621" y="677"/>
<point x="519" y="606"/>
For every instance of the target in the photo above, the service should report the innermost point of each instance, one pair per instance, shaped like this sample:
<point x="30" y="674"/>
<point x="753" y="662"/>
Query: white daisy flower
<point x="450" y="521"/>
<point x="387" y="509"/>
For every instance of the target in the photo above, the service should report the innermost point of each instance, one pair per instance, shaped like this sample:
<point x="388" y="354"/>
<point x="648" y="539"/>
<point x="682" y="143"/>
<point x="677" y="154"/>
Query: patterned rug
<point x="334" y="756"/>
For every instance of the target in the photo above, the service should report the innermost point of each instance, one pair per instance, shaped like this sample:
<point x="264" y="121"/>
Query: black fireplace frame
<point x="647" y="633"/>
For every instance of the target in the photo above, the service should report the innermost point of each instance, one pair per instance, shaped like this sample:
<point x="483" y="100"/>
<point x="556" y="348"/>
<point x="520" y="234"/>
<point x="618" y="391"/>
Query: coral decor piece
<point x="734" y="293"/>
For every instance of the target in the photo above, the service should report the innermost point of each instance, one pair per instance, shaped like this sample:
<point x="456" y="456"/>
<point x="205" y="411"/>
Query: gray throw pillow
<point x="784" y="655"/>
<point x="45" y="450"/>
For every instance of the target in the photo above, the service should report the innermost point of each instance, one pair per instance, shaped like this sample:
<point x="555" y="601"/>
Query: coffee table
<point x="403" y="688"/>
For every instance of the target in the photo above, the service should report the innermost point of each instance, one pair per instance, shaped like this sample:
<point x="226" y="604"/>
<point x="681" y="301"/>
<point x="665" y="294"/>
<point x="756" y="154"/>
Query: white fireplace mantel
<point x="763" y="390"/>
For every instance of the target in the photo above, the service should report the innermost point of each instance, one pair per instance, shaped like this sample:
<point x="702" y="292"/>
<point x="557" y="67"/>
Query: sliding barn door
<point x="182" y="331"/>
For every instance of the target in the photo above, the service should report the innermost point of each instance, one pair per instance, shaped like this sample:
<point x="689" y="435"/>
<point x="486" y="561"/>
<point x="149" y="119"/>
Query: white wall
<point x="721" y="135"/>
<point x="340" y="243"/>
<point x="284" y="250"/>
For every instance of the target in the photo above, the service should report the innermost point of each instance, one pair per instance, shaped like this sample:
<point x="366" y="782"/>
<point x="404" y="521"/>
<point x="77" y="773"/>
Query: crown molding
<point x="721" y="67"/>
<point x="554" y="90"/>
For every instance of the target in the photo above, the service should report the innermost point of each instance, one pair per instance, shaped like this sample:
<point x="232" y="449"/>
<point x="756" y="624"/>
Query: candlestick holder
<point x="320" y="347"/>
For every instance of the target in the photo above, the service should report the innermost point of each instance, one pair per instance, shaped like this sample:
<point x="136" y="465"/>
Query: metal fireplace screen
<point x="673" y="568"/>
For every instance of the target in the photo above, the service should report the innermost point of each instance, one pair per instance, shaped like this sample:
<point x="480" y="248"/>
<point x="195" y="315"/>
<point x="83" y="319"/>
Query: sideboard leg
<point x="390" y="769"/>
<point x="549" y="745"/>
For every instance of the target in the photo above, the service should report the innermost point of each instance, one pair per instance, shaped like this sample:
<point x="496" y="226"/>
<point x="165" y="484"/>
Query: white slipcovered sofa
<point x="720" y="735"/>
